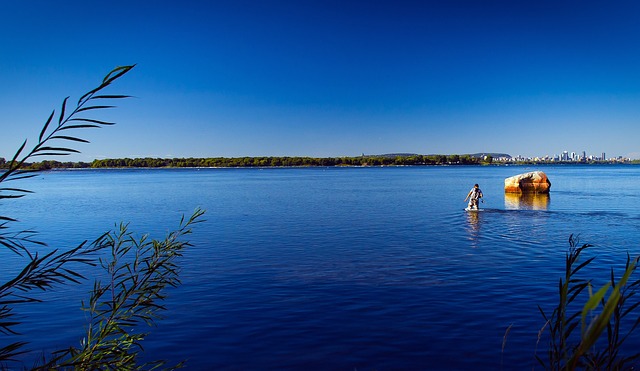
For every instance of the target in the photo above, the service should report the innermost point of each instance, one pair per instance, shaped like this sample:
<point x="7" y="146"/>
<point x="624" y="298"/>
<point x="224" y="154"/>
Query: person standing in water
<point x="474" y="195"/>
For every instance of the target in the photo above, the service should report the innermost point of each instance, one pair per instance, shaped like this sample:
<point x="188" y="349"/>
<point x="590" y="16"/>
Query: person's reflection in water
<point x="473" y="219"/>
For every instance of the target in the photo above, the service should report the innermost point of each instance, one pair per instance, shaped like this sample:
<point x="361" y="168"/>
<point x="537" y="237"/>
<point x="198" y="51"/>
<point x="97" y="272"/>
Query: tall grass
<point x="576" y="332"/>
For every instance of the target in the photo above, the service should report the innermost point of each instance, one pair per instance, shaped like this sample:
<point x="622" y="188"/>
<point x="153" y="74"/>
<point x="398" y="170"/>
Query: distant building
<point x="564" y="156"/>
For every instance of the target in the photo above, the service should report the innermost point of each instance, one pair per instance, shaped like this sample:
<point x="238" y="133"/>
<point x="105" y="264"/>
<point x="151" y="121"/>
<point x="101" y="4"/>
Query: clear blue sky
<point x="329" y="78"/>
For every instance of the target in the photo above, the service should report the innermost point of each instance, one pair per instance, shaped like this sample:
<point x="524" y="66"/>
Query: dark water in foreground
<point x="341" y="269"/>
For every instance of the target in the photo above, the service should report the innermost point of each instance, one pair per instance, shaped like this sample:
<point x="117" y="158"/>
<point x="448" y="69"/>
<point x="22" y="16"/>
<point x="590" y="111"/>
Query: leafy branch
<point x="54" y="268"/>
<point x="51" y="142"/>
<point x="40" y="273"/>
<point x="62" y="132"/>
<point x="138" y="272"/>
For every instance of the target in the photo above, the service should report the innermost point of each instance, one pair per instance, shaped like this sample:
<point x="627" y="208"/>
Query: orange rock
<point x="532" y="182"/>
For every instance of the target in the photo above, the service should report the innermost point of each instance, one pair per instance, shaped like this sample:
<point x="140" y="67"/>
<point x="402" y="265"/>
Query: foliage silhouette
<point x="139" y="270"/>
<point x="568" y="350"/>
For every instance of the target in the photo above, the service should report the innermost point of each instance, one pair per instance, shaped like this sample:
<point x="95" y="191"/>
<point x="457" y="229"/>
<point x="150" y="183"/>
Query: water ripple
<point x="373" y="268"/>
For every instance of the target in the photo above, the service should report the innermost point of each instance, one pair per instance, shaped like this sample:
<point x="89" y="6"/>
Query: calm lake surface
<point x="340" y="268"/>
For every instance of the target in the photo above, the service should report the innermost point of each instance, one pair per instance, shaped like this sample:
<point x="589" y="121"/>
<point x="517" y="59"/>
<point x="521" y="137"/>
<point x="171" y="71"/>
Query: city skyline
<point x="326" y="79"/>
<point x="578" y="156"/>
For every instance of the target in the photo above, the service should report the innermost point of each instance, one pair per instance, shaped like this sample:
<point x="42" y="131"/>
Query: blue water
<point x="341" y="268"/>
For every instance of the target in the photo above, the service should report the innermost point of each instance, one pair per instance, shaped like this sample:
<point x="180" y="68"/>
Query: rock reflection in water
<point x="514" y="201"/>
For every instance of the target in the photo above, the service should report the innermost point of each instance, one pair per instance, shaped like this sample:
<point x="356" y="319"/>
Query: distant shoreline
<point x="300" y="162"/>
<point x="329" y="167"/>
<point x="393" y="159"/>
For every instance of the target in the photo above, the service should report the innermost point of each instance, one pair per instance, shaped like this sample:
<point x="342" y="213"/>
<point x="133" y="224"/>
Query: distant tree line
<point x="274" y="161"/>
<point x="386" y="160"/>
<point x="271" y="161"/>
<point x="47" y="165"/>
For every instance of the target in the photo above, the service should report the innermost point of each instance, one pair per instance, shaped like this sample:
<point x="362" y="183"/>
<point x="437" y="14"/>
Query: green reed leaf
<point x="60" y="149"/>
<point x="71" y="127"/>
<point x="108" y="79"/>
<point x="18" y="152"/>
<point x="584" y="264"/>
<point x="94" y="108"/>
<point x="100" y="122"/>
<point x="10" y="196"/>
<point x="22" y="174"/>
<point x="116" y="73"/>
<point x="51" y="154"/>
<point x="75" y="139"/>
<point x="111" y="96"/>
<point x="62" y="110"/>
<point x="21" y="190"/>
<point x="9" y="352"/>
<point x="46" y="125"/>
<point x="593" y="302"/>
<point x="630" y="309"/>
